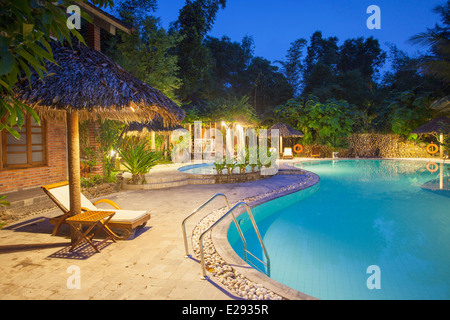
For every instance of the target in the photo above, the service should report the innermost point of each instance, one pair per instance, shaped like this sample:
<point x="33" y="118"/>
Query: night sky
<point x="275" y="24"/>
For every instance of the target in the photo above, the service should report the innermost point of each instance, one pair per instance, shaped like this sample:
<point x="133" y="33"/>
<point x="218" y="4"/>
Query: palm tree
<point x="437" y="61"/>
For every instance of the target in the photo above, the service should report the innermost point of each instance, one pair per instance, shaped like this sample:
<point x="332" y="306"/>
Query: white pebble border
<point x="236" y="282"/>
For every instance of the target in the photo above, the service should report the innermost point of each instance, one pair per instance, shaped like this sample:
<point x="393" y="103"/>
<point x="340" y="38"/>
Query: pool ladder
<point x="230" y="211"/>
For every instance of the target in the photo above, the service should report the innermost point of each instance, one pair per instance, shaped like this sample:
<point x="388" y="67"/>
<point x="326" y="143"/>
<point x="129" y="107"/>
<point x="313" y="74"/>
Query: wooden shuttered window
<point x="28" y="151"/>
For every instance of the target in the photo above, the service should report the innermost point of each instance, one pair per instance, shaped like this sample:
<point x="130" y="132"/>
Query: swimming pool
<point x="321" y="241"/>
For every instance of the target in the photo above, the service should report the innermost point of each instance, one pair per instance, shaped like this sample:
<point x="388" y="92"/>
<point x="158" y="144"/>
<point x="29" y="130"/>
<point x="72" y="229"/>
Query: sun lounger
<point x="315" y="152"/>
<point x="288" y="153"/>
<point x="124" y="220"/>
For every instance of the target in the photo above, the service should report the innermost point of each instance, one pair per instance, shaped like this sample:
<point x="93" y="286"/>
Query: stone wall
<point x="374" y="145"/>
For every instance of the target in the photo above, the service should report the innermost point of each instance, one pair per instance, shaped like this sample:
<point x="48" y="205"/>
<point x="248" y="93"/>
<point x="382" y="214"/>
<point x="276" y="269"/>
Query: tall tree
<point x="267" y="87"/>
<point x="147" y="53"/>
<point x="230" y="62"/>
<point x="404" y="71"/>
<point x="293" y="66"/>
<point x="196" y="18"/>
<point x="320" y="64"/>
<point x="361" y="54"/>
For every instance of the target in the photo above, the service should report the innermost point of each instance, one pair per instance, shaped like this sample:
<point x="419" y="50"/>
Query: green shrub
<point x="139" y="160"/>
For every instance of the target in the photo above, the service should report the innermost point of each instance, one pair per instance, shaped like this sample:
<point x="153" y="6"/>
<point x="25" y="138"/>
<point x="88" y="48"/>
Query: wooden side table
<point x="91" y="219"/>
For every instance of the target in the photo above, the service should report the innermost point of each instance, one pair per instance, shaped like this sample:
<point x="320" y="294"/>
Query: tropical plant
<point x="231" y="109"/>
<point x="148" y="53"/>
<point x="25" y="29"/>
<point x="111" y="134"/>
<point x="437" y="61"/>
<point x="3" y="202"/>
<point x="139" y="160"/>
<point x="219" y="166"/>
<point x="408" y="111"/>
<point x="242" y="161"/>
<point x="333" y="122"/>
<point x="195" y="20"/>
<point x="326" y="123"/>
<point x="230" y="165"/>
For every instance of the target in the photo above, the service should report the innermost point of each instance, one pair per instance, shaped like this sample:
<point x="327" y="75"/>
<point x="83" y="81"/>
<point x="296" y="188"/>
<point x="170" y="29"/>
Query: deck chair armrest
<point x="110" y="202"/>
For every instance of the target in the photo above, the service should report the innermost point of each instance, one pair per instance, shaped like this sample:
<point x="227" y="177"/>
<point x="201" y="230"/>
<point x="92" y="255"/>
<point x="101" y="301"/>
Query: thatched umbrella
<point x="155" y="125"/>
<point x="438" y="126"/>
<point x="86" y="84"/>
<point x="285" y="131"/>
<point x="441" y="105"/>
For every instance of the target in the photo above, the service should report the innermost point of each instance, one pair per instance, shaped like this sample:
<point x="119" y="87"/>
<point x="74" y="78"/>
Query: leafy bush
<point x="408" y="112"/>
<point x="138" y="159"/>
<point x="326" y="123"/>
<point x="3" y="202"/>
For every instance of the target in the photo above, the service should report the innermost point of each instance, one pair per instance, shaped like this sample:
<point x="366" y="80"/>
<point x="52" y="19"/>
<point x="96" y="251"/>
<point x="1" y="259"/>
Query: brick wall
<point x="54" y="171"/>
<point x="93" y="37"/>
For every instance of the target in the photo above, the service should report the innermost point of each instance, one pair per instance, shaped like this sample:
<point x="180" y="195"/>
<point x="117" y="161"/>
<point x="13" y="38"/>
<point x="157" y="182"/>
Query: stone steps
<point x="168" y="181"/>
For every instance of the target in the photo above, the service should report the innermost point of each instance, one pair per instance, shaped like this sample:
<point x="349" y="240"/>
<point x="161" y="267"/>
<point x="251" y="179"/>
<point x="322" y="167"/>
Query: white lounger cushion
<point x="288" y="151"/>
<point x="125" y="215"/>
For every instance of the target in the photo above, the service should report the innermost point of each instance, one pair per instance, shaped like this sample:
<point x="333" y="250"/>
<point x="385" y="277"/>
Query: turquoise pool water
<point x="363" y="213"/>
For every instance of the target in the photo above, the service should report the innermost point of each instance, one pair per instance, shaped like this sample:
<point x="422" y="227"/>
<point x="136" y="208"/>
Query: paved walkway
<point x="35" y="265"/>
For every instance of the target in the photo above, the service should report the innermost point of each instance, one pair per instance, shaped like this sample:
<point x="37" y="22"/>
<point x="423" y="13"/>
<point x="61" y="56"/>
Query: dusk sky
<point x="275" y="24"/>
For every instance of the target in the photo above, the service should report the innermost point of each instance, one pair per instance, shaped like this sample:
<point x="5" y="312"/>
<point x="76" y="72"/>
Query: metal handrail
<point x="183" y="225"/>
<point x="249" y="211"/>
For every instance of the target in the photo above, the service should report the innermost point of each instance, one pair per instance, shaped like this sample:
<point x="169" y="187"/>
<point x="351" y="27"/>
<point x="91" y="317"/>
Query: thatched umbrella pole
<point x="73" y="138"/>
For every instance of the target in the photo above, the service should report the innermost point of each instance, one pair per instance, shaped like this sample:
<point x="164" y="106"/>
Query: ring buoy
<point x="432" y="167"/>
<point x="432" y="148"/>
<point x="298" y="148"/>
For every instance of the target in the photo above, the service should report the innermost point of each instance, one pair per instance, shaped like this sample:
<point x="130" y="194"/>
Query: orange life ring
<point x="432" y="148"/>
<point x="432" y="170"/>
<point x="298" y="148"/>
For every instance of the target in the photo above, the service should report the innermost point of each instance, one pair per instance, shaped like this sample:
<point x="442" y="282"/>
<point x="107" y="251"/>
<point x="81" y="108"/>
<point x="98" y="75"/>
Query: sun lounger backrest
<point x="288" y="151"/>
<point x="62" y="195"/>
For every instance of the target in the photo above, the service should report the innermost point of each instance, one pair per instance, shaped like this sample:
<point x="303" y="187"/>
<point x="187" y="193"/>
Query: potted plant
<point x="139" y="160"/>
<point x="230" y="167"/>
<point x="219" y="167"/>
<point x="242" y="162"/>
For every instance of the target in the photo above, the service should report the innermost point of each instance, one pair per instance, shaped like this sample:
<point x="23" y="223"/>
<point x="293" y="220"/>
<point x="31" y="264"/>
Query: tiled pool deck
<point x="35" y="265"/>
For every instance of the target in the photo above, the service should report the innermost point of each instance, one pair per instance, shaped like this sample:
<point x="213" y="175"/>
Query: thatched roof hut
<point x="285" y="131"/>
<point x="156" y="125"/>
<point x="88" y="81"/>
<point x="436" y="126"/>
<point x="441" y="105"/>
